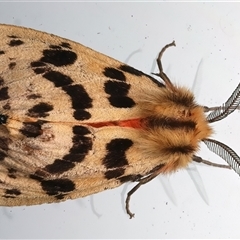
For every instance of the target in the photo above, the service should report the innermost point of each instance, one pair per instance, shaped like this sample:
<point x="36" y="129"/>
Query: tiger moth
<point x="74" y="122"/>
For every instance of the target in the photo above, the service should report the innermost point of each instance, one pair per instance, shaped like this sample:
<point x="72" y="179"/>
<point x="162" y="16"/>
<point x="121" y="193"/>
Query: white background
<point x="170" y="206"/>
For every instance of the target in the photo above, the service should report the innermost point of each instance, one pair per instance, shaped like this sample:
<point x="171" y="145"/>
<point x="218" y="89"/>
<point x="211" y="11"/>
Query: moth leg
<point x="200" y="160"/>
<point x="134" y="189"/>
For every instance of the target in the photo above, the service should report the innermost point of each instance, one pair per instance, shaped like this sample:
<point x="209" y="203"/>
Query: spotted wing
<point x="50" y="90"/>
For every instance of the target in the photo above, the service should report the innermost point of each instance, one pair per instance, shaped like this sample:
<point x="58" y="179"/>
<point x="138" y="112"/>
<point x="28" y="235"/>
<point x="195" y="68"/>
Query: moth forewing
<point x="75" y="122"/>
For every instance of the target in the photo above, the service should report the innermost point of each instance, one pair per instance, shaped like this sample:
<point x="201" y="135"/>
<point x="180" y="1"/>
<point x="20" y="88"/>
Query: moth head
<point x="186" y="110"/>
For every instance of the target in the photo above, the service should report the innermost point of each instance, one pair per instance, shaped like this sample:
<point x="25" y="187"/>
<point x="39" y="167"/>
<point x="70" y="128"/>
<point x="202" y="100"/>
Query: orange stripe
<point x="132" y="123"/>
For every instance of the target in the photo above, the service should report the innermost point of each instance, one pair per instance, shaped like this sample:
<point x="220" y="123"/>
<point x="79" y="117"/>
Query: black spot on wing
<point x="114" y="73"/>
<point x="4" y="93"/>
<point x="32" y="129"/>
<point x="57" y="186"/>
<point x="2" y="155"/>
<point x="60" y="196"/>
<point x="12" y="193"/>
<point x="65" y="45"/>
<point x="36" y="176"/>
<point x="118" y="94"/>
<point x="2" y="52"/>
<point x="131" y="70"/>
<point x="80" y="100"/>
<point x="79" y="96"/>
<point x="39" y="67"/>
<point x="14" y="42"/>
<point x="59" y="166"/>
<point x="59" y="79"/>
<point x="138" y="73"/>
<point x="54" y="47"/>
<point x="12" y="172"/>
<point x="81" y="145"/>
<point x="59" y="57"/>
<point x="34" y="96"/>
<point x="6" y="106"/>
<point x="121" y="102"/>
<point x="11" y="65"/>
<point x="115" y="158"/>
<point x="114" y="173"/>
<point x="40" y="110"/>
<point x="12" y="36"/>
<point x="116" y="88"/>
<point x="4" y="142"/>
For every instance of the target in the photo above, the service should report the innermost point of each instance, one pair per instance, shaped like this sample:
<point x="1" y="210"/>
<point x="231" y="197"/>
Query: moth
<point x="74" y="122"/>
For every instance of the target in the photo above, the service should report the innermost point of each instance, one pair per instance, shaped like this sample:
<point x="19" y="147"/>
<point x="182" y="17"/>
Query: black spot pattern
<point x="57" y="187"/>
<point x="118" y="90"/>
<point x="66" y="45"/>
<point x="114" y="74"/>
<point x="59" y="79"/>
<point x="80" y="101"/>
<point x="118" y="94"/>
<point x="80" y="148"/>
<point x="11" y="65"/>
<point x="4" y="142"/>
<point x="115" y="160"/>
<point x="58" y="56"/>
<point x="81" y="144"/>
<point x="54" y="47"/>
<point x="12" y="173"/>
<point x="138" y="73"/>
<point x="34" y="96"/>
<point x="12" y="193"/>
<point x="40" y="110"/>
<point x="110" y="174"/>
<point x="2" y="155"/>
<point x="13" y="36"/>
<point x="4" y="94"/>
<point x="2" y="52"/>
<point x="32" y="129"/>
<point x="39" y="67"/>
<point x="7" y="106"/>
<point x="131" y="70"/>
<point x="14" y="43"/>
<point x="36" y="176"/>
<point x="59" y="166"/>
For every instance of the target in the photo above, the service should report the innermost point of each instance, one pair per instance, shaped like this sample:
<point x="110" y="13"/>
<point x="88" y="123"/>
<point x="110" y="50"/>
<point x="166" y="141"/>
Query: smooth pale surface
<point x="203" y="31"/>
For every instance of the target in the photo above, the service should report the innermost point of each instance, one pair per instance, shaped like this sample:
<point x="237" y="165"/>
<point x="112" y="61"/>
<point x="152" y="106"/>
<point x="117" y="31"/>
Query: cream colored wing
<point x="50" y="90"/>
<point x="47" y="77"/>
